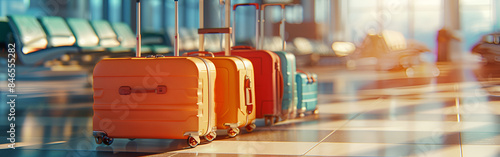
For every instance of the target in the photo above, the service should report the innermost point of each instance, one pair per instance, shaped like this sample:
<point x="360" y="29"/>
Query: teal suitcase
<point x="307" y="93"/>
<point x="288" y="69"/>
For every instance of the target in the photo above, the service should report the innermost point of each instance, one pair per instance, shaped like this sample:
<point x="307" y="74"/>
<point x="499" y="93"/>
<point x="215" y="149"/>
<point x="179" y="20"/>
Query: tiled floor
<point x="428" y="110"/>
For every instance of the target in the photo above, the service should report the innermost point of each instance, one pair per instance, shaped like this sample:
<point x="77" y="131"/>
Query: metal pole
<point x="138" y="32"/>
<point x="262" y="20"/>
<point x="282" y="31"/>
<point x="202" y="24"/>
<point x="176" y="44"/>
<point x="256" y="27"/>
<point x="228" y="25"/>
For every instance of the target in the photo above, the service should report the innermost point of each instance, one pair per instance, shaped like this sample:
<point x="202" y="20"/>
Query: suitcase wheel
<point x="250" y="127"/>
<point x="192" y="142"/>
<point x="107" y="140"/>
<point x="211" y="136"/>
<point x="232" y="132"/>
<point x="131" y="139"/>
<point x="284" y="117"/>
<point x="269" y="120"/>
<point x="276" y="119"/>
<point x="98" y="139"/>
<point x="302" y="115"/>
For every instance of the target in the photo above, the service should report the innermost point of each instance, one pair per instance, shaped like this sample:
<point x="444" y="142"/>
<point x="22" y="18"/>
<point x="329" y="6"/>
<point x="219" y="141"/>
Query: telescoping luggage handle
<point x="256" y="25"/>
<point x="138" y="30"/>
<point x="282" y="24"/>
<point x="227" y="30"/>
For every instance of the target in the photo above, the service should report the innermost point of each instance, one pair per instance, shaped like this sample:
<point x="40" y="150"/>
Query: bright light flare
<point x="343" y="48"/>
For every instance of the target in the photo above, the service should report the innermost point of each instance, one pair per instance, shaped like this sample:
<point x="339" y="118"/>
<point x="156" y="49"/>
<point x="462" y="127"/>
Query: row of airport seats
<point x="50" y="37"/>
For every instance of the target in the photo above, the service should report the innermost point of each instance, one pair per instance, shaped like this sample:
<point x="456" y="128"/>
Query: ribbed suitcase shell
<point x="268" y="81"/>
<point x="307" y="93"/>
<point x="231" y="96"/>
<point x="183" y="110"/>
<point x="288" y="69"/>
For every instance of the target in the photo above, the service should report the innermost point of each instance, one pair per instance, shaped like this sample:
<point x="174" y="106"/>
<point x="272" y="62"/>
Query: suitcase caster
<point x="284" y="117"/>
<point x="131" y="139"/>
<point x="192" y="141"/>
<point x="107" y="140"/>
<point x="270" y="120"/>
<point x="301" y="115"/>
<point x="276" y="119"/>
<point x="250" y="127"/>
<point x="211" y="136"/>
<point x="232" y="132"/>
<point x="101" y="137"/>
<point x="98" y="140"/>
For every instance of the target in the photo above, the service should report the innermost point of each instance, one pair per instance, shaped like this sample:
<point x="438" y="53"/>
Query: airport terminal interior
<point x="390" y="77"/>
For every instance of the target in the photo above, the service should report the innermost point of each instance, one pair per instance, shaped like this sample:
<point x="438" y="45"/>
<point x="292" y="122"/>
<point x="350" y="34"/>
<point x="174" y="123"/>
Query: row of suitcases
<point x="195" y="94"/>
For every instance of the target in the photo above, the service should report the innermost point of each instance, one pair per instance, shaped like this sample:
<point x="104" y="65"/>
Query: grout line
<point x="350" y="119"/>
<point x="460" y="142"/>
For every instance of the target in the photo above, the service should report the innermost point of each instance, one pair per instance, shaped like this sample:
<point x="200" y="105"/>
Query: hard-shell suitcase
<point x="268" y="78"/>
<point x="307" y="92"/>
<point x="234" y="87"/>
<point x="288" y="68"/>
<point x="157" y="97"/>
<point x="234" y="93"/>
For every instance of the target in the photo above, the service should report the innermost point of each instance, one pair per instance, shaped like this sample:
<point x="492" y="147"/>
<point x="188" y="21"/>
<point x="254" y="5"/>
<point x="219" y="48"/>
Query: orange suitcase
<point x="234" y="93"/>
<point x="157" y="97"/>
<point x="234" y="87"/>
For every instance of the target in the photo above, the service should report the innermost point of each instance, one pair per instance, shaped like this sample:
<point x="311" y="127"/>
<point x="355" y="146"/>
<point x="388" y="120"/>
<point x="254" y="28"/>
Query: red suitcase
<point x="268" y="78"/>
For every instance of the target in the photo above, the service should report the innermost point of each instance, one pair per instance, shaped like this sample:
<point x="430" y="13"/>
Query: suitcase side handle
<point x="200" y="53"/>
<point x="281" y="86"/>
<point x="310" y="79"/>
<point x="248" y="94"/>
<point x="127" y="90"/>
<point x="246" y="4"/>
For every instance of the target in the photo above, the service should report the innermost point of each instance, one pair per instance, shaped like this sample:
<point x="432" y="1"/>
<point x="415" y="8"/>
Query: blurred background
<point x="362" y="50"/>
<point x="312" y="26"/>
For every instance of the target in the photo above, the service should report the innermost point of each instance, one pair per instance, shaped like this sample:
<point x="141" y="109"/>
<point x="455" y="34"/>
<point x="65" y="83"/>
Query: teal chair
<point x="128" y="39"/>
<point x="86" y="38"/>
<point x="109" y="39"/>
<point x="32" y="43"/>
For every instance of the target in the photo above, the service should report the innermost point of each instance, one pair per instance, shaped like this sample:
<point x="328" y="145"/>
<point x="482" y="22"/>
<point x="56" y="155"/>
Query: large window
<point x="427" y="21"/>
<point x="476" y="20"/>
<point x="416" y="19"/>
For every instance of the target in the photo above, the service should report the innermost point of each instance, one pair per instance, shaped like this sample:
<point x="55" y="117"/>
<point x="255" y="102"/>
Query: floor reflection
<point x="436" y="110"/>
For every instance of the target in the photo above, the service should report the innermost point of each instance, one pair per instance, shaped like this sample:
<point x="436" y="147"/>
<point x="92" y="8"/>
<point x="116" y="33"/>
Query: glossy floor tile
<point x="427" y="110"/>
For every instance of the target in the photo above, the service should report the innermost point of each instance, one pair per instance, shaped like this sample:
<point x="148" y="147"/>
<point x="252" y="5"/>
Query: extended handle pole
<point x="138" y="31"/>
<point x="227" y="51"/>
<point x="176" y="44"/>
<point x="202" y="24"/>
<point x="282" y="24"/>
<point x="256" y="21"/>
<point x="282" y="31"/>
